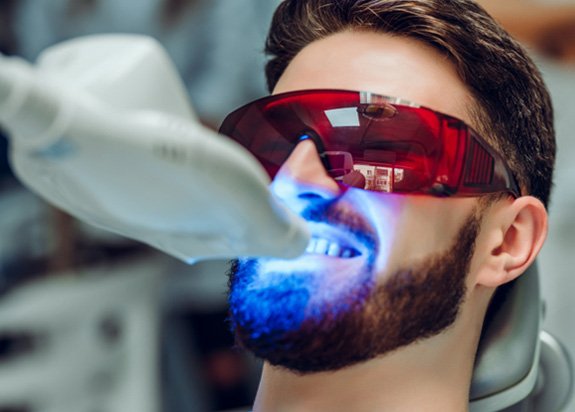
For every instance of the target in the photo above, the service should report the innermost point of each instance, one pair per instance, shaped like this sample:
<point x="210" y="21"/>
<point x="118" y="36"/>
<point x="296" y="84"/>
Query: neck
<point x="431" y="375"/>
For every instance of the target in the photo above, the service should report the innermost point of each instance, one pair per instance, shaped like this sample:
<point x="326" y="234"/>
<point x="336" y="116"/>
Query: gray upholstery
<point x="508" y="349"/>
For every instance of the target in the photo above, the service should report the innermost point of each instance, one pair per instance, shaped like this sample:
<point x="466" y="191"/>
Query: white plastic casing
<point x="103" y="129"/>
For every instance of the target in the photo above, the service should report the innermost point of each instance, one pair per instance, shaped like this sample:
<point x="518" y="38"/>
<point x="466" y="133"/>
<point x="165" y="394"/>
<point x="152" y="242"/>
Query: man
<point x="415" y="218"/>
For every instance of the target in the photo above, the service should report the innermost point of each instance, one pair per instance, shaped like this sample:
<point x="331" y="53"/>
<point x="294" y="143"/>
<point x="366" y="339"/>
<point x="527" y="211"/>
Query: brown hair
<point x="514" y="110"/>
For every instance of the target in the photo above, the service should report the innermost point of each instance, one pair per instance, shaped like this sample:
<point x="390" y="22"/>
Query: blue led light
<point x="266" y="312"/>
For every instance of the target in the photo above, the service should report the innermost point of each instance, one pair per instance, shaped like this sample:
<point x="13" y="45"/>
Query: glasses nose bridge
<point x="307" y="173"/>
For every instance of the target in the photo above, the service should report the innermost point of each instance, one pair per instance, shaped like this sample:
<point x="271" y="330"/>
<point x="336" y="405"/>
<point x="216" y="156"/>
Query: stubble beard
<point x="369" y="320"/>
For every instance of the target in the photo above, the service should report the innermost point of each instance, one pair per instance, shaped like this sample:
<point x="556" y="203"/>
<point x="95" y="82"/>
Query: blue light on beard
<point x="267" y="311"/>
<point x="266" y="306"/>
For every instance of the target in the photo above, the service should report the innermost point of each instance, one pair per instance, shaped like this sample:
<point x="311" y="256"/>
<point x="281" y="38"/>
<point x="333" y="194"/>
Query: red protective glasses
<point x="372" y="142"/>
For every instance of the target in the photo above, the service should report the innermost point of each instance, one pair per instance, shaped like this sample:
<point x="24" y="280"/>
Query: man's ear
<point x="514" y="234"/>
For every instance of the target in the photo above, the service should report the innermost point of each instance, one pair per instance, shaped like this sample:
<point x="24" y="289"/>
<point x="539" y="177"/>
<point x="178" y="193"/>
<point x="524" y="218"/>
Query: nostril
<point x="310" y="196"/>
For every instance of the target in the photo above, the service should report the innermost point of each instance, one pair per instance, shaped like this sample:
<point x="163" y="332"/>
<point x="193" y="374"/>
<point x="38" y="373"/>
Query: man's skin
<point x="432" y="374"/>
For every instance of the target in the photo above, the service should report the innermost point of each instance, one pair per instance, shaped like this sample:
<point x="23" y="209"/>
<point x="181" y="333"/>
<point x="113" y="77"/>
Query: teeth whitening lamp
<point x="101" y="127"/>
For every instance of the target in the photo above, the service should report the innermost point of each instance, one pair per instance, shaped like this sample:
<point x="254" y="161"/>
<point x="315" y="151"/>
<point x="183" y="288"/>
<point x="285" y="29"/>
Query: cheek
<point x="422" y="226"/>
<point x="386" y="213"/>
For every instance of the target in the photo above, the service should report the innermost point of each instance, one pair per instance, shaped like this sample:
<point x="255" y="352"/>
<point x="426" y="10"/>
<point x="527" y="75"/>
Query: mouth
<point x="329" y="246"/>
<point x="331" y="249"/>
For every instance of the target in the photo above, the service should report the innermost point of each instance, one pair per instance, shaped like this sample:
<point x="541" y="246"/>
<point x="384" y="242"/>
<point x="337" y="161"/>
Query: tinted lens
<point x="397" y="147"/>
<point x="393" y="148"/>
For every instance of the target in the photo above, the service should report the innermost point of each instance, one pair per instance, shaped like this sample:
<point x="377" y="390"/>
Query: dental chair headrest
<point x="507" y="358"/>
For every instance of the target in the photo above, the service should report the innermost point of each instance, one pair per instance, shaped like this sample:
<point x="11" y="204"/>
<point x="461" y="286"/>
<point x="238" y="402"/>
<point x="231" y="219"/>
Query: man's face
<point x="382" y="270"/>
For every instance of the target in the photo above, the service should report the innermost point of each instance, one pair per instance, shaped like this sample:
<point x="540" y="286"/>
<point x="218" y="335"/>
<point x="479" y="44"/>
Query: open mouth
<point x="326" y="247"/>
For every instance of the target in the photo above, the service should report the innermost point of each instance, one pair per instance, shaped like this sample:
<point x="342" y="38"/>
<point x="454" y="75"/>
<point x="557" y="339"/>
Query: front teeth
<point x="322" y="246"/>
<point x="333" y="250"/>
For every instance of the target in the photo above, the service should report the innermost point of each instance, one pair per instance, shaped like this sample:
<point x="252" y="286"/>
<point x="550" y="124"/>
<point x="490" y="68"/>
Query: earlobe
<point x="519" y="231"/>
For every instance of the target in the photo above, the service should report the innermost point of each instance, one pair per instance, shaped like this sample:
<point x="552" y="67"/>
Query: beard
<point x="283" y="321"/>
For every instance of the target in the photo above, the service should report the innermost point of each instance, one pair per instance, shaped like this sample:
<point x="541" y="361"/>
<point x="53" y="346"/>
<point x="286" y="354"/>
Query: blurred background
<point x="217" y="47"/>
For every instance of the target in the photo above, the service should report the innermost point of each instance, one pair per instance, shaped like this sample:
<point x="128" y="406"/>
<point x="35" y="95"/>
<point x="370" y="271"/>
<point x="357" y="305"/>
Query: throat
<point x="399" y="388"/>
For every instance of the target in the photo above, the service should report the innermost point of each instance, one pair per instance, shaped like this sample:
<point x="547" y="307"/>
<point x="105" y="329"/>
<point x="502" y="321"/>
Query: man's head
<point x="417" y="259"/>
<point x="511" y="106"/>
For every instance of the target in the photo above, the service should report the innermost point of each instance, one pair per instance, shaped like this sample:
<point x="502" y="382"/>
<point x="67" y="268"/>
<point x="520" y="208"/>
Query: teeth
<point x="322" y="246"/>
<point x="311" y="245"/>
<point x="333" y="250"/>
<point x="346" y="253"/>
<point x="325" y="247"/>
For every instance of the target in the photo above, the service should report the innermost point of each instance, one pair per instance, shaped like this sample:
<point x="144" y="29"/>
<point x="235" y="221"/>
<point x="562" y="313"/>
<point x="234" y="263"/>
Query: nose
<point x="303" y="176"/>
